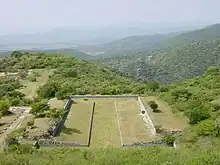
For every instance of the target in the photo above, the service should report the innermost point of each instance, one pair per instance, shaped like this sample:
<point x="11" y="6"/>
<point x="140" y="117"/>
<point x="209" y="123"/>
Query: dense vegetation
<point x="10" y="94"/>
<point x="72" y="76"/>
<point x="180" y="57"/>
<point x="198" y="98"/>
<point x="127" y="156"/>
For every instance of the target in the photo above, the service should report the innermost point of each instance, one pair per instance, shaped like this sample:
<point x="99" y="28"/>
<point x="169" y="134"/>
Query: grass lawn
<point x="166" y="117"/>
<point x="105" y="127"/>
<point x="132" y="125"/>
<point x="54" y="103"/>
<point x="76" y="128"/>
<point x="30" y="90"/>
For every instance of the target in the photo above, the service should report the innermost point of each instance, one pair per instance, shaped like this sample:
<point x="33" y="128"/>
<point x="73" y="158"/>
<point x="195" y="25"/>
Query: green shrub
<point x="169" y="139"/>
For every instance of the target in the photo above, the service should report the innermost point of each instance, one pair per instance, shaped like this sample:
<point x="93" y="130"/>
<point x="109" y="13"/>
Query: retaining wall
<point x="55" y="143"/>
<point x="147" y="118"/>
<point x="104" y="96"/>
<point x="57" y="129"/>
<point x="151" y="143"/>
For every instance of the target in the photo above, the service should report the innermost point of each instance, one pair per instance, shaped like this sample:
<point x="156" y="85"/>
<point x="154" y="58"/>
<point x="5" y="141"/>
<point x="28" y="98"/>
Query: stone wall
<point x="147" y="119"/>
<point x="58" y="126"/>
<point x="150" y="143"/>
<point x="103" y="96"/>
<point x="55" y="143"/>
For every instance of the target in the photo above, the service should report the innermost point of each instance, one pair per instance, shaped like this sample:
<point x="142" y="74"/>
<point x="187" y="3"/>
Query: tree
<point x="169" y="139"/>
<point x="198" y="114"/>
<point x="16" y="54"/>
<point x="4" y="106"/>
<point x="48" y="90"/>
<point x="153" y="105"/>
<point x="39" y="109"/>
<point x="1" y="116"/>
<point x="216" y="106"/>
<point x="30" y="123"/>
<point x="207" y="128"/>
<point x="153" y="85"/>
<point x="212" y="70"/>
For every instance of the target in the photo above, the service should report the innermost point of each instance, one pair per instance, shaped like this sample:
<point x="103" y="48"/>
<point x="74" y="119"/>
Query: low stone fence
<point x="103" y="96"/>
<point x="55" y="143"/>
<point x="58" y="126"/>
<point x="147" y="144"/>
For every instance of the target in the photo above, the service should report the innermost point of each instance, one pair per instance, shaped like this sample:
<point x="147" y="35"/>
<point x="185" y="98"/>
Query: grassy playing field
<point x="132" y="125"/>
<point x="77" y="124"/>
<point x="165" y="118"/>
<point x="105" y="128"/>
<point x="114" y="120"/>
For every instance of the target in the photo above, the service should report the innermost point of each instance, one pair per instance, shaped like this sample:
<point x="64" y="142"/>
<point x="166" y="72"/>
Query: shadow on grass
<point x="74" y="102"/>
<point x="158" y="111"/>
<point x="2" y="124"/>
<point x="70" y="131"/>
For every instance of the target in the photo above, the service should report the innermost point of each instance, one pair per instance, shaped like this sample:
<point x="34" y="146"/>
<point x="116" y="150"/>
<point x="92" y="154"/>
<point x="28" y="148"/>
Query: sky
<point x="18" y="16"/>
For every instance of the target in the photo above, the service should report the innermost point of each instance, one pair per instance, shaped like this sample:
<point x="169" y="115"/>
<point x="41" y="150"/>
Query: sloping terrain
<point x="180" y="57"/>
<point x="66" y="51"/>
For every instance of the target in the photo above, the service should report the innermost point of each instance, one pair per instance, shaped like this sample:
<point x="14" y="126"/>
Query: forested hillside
<point x="182" y="56"/>
<point x="71" y="76"/>
<point x="66" y="51"/>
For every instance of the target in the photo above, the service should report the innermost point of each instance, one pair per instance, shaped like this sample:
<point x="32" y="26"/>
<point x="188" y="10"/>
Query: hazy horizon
<point x="39" y="16"/>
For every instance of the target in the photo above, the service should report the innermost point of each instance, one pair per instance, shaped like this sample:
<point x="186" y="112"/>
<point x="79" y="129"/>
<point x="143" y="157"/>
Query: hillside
<point x="71" y="76"/>
<point x="194" y="97"/>
<point x="66" y="51"/>
<point x="208" y="33"/>
<point x="182" y="56"/>
<point x="126" y="46"/>
<point x="197" y="99"/>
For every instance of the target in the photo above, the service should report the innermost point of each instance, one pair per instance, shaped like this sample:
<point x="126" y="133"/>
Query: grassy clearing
<point x="105" y="128"/>
<point x="54" y="103"/>
<point x="42" y="124"/>
<point x="132" y="125"/>
<point x="166" y="118"/>
<point x="30" y="89"/>
<point x="77" y="124"/>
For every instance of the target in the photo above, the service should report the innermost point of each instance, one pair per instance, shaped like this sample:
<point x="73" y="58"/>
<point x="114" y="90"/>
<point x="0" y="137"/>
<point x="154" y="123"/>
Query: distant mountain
<point x="182" y="56"/>
<point x="70" y="52"/>
<point x="127" y="45"/>
<point x="208" y="33"/>
<point x="71" y="37"/>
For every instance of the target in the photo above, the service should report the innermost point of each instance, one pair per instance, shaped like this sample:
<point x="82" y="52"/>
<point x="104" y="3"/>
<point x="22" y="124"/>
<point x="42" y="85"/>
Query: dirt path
<point x="13" y="126"/>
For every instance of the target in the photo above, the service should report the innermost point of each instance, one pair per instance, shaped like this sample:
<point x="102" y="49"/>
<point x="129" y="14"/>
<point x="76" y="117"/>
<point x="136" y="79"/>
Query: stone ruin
<point x="56" y="143"/>
<point x="150" y="143"/>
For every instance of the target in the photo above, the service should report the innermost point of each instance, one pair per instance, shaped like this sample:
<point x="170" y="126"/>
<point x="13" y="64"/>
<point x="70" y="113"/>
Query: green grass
<point x="76" y="127"/>
<point x="132" y="125"/>
<point x="31" y="88"/>
<point x="166" y="117"/>
<point x="105" y="128"/>
<point x="54" y="103"/>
